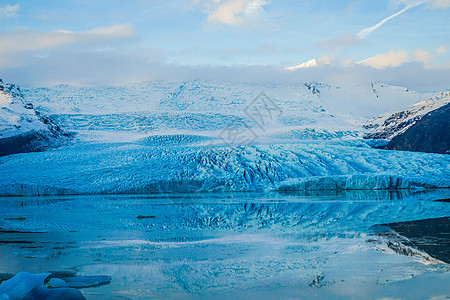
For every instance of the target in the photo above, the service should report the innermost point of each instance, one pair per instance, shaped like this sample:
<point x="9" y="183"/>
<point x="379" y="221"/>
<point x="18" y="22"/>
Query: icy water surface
<point x="358" y="244"/>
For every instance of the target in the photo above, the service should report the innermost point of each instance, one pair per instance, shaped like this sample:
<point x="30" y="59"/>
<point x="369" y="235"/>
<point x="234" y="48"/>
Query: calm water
<point x="296" y="246"/>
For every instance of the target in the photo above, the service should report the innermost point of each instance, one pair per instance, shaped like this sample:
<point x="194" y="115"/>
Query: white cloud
<point x="348" y="40"/>
<point x="401" y="57"/>
<point x="111" y="67"/>
<point x="255" y="6"/>
<point x="18" y="45"/>
<point x="432" y="3"/>
<point x="365" y="32"/>
<point x="387" y="60"/>
<point x="231" y="12"/>
<point x="28" y="40"/>
<point x="9" y="10"/>
<point x="441" y="50"/>
<point x="439" y="3"/>
<point x="423" y="56"/>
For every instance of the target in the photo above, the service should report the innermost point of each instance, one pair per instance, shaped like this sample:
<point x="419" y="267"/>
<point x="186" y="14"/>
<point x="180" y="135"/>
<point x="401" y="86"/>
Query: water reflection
<point x="18" y="202"/>
<point x="431" y="236"/>
<point x="230" y="244"/>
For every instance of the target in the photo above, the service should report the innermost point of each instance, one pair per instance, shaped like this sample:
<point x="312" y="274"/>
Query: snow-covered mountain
<point x="388" y="126"/>
<point x="295" y="111"/>
<point x="429" y="134"/>
<point x="22" y="128"/>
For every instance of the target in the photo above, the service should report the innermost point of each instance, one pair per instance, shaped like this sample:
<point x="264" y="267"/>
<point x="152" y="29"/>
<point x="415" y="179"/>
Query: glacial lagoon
<point x="335" y="245"/>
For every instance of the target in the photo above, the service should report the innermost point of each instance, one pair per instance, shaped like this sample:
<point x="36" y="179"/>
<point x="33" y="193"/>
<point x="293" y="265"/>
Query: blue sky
<point x="89" y="40"/>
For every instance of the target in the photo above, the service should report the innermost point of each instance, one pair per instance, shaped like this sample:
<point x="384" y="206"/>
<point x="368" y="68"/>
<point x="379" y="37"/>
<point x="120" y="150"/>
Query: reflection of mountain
<point x="431" y="236"/>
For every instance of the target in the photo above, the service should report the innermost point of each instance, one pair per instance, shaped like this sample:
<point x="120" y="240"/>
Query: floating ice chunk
<point x="54" y="294"/>
<point x="21" y="284"/>
<point x="29" y="286"/>
<point x="79" y="282"/>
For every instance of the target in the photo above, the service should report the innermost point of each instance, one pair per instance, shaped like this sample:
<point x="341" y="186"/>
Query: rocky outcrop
<point x="429" y="134"/>
<point x="22" y="128"/>
<point x="389" y="126"/>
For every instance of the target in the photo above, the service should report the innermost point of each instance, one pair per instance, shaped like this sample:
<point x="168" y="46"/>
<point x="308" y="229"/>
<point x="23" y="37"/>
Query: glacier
<point x="202" y="136"/>
<point x="139" y="168"/>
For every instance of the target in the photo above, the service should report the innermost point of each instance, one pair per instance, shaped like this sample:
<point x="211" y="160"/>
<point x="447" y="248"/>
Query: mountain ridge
<point x="302" y="106"/>
<point x="22" y="127"/>
<point x="428" y="134"/>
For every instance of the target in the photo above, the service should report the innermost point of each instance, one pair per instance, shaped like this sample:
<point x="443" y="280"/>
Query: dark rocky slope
<point x="22" y="128"/>
<point x="388" y="126"/>
<point x="429" y="134"/>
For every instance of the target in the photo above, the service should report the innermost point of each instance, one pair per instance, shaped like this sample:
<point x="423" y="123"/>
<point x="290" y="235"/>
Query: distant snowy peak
<point x="22" y="128"/>
<point x="388" y="126"/>
<point x="315" y="62"/>
<point x="308" y="64"/>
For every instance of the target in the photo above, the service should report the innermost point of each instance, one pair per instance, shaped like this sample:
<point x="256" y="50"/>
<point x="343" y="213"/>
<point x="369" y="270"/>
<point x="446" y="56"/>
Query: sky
<point x="105" y="42"/>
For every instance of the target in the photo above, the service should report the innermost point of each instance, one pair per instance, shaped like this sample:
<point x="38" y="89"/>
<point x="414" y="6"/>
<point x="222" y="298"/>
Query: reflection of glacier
<point x="298" y="212"/>
<point x="216" y="243"/>
<point x="139" y="168"/>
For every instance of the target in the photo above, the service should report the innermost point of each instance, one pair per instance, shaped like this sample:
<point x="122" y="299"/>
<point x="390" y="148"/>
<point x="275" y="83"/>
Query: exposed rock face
<point x="389" y="126"/>
<point x="429" y="134"/>
<point x="22" y="128"/>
